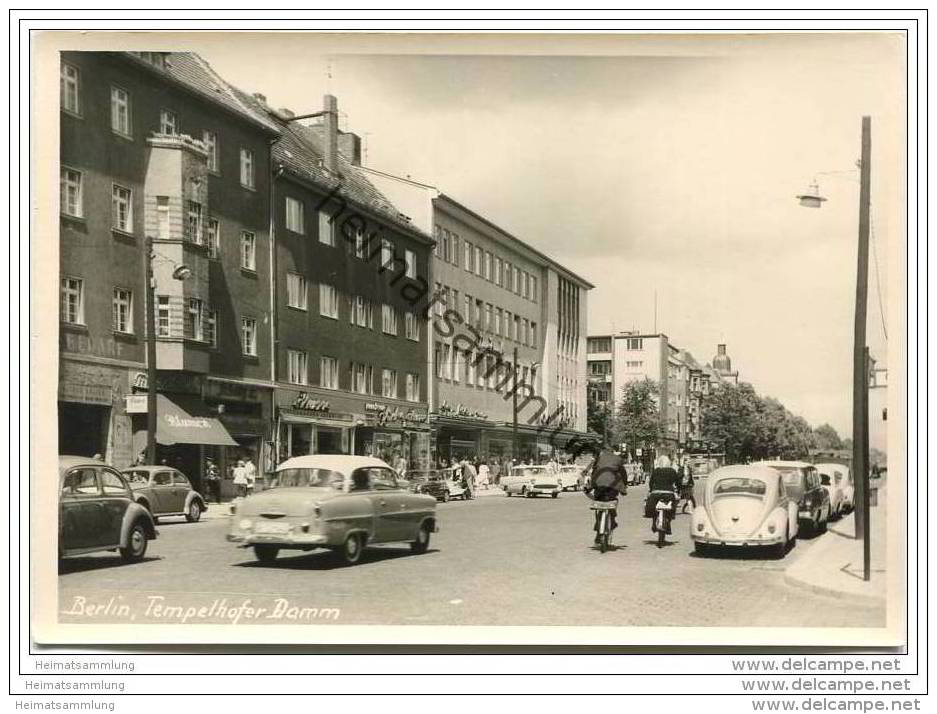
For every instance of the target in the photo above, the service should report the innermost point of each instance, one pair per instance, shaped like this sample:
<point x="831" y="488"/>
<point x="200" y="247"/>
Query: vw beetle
<point x="342" y="503"/>
<point x="744" y="506"/>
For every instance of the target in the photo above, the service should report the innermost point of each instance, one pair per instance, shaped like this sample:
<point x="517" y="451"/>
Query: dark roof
<point x="196" y="75"/>
<point x="301" y="151"/>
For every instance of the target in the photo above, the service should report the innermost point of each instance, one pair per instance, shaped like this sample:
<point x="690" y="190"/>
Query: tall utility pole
<point x="860" y="366"/>
<point x="150" y="355"/>
<point x="514" y="410"/>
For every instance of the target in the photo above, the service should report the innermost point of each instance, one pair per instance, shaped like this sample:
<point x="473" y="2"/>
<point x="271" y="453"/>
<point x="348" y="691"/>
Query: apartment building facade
<point x="502" y="311"/>
<point x="155" y="147"/>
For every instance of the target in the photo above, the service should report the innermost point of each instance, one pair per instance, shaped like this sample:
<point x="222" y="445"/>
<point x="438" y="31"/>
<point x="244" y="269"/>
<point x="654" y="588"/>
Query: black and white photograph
<point x="495" y="338"/>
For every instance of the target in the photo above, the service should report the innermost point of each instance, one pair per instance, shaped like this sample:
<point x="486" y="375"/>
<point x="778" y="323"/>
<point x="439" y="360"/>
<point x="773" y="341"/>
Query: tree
<point x="637" y="421"/>
<point x="827" y="438"/>
<point x="598" y="418"/>
<point x="734" y="421"/>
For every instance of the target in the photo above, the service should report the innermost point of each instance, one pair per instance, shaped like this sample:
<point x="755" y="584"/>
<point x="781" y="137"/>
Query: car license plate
<point x="272" y="528"/>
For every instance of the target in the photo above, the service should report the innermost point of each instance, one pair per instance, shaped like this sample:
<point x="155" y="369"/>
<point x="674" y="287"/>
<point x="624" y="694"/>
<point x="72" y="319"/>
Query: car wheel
<point x="524" y="492"/>
<point x="554" y="494"/>
<point x="445" y="496"/>
<point x="700" y="549"/>
<point x="350" y="552"/>
<point x="421" y="544"/>
<point x="779" y="550"/>
<point x="195" y="511"/>
<point x="136" y="543"/>
<point x="266" y="553"/>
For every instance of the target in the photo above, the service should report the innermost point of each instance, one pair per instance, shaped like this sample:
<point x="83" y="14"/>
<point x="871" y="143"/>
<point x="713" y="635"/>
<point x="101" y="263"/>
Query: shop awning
<point x="188" y="420"/>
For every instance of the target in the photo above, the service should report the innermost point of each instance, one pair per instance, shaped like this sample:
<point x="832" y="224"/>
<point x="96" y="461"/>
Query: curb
<point x="853" y="598"/>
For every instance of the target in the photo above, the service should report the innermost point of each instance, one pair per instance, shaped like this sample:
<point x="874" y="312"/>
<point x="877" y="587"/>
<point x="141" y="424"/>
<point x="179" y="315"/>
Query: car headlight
<point x="245" y="524"/>
<point x="771" y="528"/>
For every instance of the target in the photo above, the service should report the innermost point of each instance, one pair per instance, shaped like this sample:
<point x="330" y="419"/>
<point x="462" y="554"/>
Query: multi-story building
<point x="157" y="148"/>
<point x="350" y="275"/>
<point x="503" y="310"/>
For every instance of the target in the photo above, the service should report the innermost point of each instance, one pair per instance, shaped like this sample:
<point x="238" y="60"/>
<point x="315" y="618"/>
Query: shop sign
<point x="89" y="384"/>
<point x="305" y="402"/>
<point x="385" y="414"/>
<point x="461" y="411"/>
<point x="230" y="391"/>
<point x="178" y="382"/>
<point x="135" y="403"/>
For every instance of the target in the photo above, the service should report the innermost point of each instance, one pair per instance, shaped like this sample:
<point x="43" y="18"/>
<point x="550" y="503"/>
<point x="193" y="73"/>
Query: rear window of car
<point x="293" y="478"/>
<point x="137" y="476"/>
<point x="80" y="482"/>
<point x="740" y="485"/>
<point x="825" y="479"/>
<point x="112" y="483"/>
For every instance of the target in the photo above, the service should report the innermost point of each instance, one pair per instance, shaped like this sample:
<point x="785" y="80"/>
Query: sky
<point x="648" y="165"/>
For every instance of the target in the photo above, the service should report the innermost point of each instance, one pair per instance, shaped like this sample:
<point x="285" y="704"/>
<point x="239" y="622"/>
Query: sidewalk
<point x="832" y="564"/>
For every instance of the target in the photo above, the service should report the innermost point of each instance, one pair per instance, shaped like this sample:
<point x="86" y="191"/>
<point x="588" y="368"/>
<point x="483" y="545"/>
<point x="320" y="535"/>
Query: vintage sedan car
<point x="832" y="478"/>
<point x="342" y="503"/>
<point x="164" y="491"/>
<point x="571" y="478"/>
<point x="531" y="481"/>
<point x="97" y="511"/>
<point x="803" y="486"/>
<point x="443" y="485"/>
<point x="744" y="506"/>
<point x="842" y="482"/>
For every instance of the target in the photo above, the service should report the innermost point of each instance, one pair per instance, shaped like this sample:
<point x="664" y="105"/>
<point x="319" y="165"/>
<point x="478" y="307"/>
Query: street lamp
<point x="180" y="272"/>
<point x="860" y="382"/>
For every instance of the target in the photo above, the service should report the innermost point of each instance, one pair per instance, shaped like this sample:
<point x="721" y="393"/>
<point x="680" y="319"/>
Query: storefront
<point x="307" y="423"/>
<point x="91" y="415"/>
<point x="390" y="433"/>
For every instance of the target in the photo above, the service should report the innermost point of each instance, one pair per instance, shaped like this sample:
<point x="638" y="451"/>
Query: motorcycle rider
<point x="662" y="486"/>
<point x="608" y="480"/>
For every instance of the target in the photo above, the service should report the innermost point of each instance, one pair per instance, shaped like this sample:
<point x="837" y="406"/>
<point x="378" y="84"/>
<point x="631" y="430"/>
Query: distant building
<point x="722" y="364"/>
<point x="496" y="296"/>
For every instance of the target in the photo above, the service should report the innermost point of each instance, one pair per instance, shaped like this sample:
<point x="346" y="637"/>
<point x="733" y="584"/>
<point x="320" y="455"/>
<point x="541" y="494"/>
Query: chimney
<point x="260" y="98"/>
<point x="330" y="106"/>
<point x="349" y="145"/>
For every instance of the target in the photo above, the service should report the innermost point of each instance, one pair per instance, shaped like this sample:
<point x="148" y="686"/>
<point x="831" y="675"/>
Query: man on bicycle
<point x="608" y="480"/>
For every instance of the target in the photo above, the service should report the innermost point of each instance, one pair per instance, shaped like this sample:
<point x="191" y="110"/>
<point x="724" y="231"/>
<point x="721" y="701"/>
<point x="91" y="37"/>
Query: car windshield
<point x="297" y="478"/>
<point x="740" y="485"/>
<point x="529" y="471"/>
<point x="825" y="479"/>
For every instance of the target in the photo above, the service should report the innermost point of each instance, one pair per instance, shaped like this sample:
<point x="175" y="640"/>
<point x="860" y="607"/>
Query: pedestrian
<point x="468" y="478"/>
<point x="401" y="466"/>
<point x="213" y="476"/>
<point x="240" y="479"/>
<point x="251" y="473"/>
<point x="686" y="486"/>
<point x="496" y="472"/>
<point x="484" y="475"/>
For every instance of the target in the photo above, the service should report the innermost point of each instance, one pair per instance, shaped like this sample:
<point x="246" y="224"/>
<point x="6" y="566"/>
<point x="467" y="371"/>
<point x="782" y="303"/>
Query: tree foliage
<point x="747" y="426"/>
<point x="827" y="438"/>
<point x="637" y="420"/>
<point x="597" y="417"/>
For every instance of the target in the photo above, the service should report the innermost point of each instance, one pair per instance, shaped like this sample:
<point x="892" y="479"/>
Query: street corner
<point x="833" y="565"/>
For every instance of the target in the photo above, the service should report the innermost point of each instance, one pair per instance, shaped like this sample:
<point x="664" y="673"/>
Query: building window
<point x="193" y="222"/>
<point x="249" y="336"/>
<point x="210" y="139"/>
<point x="470" y="377"/>
<point x="635" y="343"/>
<point x="247" y="168"/>
<point x="70" y="194"/>
<point x="517" y="329"/>
<point x="412" y="327"/>
<point x="361" y="378"/>
<point x="213" y="238"/>
<point x="68" y="86"/>
<point x="497" y="328"/>
<point x="489" y="324"/>
<point x="479" y="261"/>
<point x="437" y="246"/>
<point x="296" y="367"/>
<point x="389" y="319"/>
<point x="328" y="301"/>
<point x="438" y="361"/>
<point x="328" y="372"/>
<point x="533" y="334"/>
<point x="211" y="327"/>
<point x="73" y="303"/>
<point x="469" y="255"/>
<point x="123" y="311"/>
<point x="361" y="245"/>
<point x="635" y="364"/>
<point x="120" y="111"/>
<point x="508" y="276"/>
<point x="410" y="260"/>
<point x="488" y="272"/>
<point x="446" y="245"/>
<point x="387" y="253"/>
<point x="362" y="312"/>
<point x="296" y="291"/>
<point x="517" y="280"/>
<point x="413" y="387"/>
<point x="163" y="324"/>
<point x="196" y="324"/>
<point x="389" y="383"/>
<point x="325" y="229"/>
<point x="248" y="251"/>
<point x="294" y="215"/>
<point x="168" y="123"/>
<point x="499" y="271"/>
<point x="479" y="312"/>
<point x="456" y="250"/>
<point x="162" y="218"/>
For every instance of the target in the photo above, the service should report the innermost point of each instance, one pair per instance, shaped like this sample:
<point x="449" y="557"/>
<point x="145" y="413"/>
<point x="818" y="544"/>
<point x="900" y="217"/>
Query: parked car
<point x="832" y="479"/>
<point x="164" y="491"/>
<point x="803" y="485"/>
<point x="570" y="477"/>
<point x="849" y="489"/>
<point x="97" y="511"/>
<point x="342" y="503"/>
<point x="746" y="505"/>
<point x="531" y="481"/>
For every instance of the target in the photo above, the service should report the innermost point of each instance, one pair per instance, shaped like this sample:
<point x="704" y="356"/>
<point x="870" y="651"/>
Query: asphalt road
<point x="496" y="561"/>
